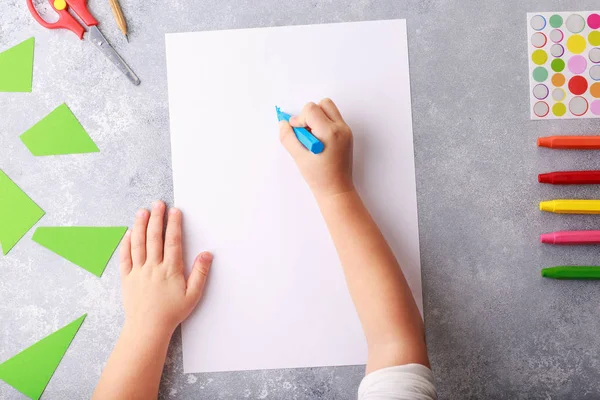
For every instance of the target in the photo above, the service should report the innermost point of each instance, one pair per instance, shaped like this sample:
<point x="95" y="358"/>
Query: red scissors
<point x="67" y="21"/>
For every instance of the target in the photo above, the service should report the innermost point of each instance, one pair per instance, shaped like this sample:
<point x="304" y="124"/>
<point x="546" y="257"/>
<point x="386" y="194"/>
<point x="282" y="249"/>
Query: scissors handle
<point x="80" y="8"/>
<point x="65" y="20"/>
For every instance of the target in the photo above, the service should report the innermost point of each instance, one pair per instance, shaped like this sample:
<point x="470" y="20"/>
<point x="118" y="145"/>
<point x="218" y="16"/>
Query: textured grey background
<point x="495" y="329"/>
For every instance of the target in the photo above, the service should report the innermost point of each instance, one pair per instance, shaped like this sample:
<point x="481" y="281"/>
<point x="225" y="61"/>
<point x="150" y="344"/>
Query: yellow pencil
<point x="571" y="206"/>
<point x="118" y="13"/>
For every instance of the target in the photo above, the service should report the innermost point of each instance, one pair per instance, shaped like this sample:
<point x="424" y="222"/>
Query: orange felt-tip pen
<point x="570" y="142"/>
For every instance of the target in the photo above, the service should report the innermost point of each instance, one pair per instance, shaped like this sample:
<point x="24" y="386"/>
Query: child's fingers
<point x="312" y="116"/>
<point x="197" y="279"/>
<point x="154" y="236"/>
<point x="173" y="250"/>
<point x="331" y="110"/>
<point x="138" y="238"/>
<point x="125" y="254"/>
<point x="289" y="140"/>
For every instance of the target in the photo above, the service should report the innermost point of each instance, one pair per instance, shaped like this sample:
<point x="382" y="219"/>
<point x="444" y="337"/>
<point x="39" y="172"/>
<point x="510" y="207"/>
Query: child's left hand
<point x="156" y="295"/>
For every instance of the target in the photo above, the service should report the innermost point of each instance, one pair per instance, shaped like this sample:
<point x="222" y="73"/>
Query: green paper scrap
<point x="58" y="133"/>
<point x="88" y="247"/>
<point x="18" y="213"/>
<point x="30" y="371"/>
<point x="16" y="67"/>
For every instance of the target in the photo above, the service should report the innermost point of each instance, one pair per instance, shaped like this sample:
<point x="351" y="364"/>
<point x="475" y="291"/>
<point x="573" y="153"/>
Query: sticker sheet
<point x="564" y="64"/>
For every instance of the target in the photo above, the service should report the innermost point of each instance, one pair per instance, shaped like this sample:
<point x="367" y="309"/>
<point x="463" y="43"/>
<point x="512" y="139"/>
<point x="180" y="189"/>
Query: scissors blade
<point x="100" y="41"/>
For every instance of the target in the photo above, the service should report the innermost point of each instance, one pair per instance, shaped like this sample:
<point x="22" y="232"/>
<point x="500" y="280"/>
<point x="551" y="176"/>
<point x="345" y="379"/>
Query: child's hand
<point x="330" y="172"/>
<point x="156" y="296"/>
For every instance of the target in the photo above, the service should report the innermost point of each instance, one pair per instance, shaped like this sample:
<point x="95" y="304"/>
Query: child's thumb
<point x="197" y="279"/>
<point x="289" y="140"/>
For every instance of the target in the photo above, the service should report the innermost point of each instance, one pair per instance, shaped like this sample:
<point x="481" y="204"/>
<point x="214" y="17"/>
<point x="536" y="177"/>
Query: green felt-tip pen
<point x="571" y="272"/>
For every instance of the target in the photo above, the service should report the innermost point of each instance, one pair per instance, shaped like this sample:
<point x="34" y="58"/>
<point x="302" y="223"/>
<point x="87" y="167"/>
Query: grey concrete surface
<point x="495" y="329"/>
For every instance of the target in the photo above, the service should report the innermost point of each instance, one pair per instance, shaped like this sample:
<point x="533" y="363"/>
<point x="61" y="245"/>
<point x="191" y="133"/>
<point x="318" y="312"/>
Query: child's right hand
<point x="330" y="172"/>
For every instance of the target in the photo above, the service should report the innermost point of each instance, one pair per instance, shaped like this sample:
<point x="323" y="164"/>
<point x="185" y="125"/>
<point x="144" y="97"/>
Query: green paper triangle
<point x="58" y="133"/>
<point x="89" y="247"/>
<point x="30" y="371"/>
<point x="18" y="213"/>
<point x="16" y="67"/>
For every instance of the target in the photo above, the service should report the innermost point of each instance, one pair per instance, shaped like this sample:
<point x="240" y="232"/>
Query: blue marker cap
<point x="305" y="137"/>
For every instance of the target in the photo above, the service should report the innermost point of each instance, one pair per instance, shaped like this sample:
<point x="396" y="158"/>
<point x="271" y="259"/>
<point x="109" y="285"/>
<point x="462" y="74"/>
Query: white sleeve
<point x="404" y="382"/>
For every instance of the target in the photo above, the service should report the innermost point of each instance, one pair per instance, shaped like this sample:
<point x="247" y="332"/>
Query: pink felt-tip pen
<point x="571" y="237"/>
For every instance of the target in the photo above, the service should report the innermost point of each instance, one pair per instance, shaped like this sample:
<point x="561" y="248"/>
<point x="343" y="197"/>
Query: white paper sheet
<point x="276" y="296"/>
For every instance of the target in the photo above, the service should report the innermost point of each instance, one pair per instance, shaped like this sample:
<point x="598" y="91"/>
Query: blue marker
<point x="305" y="137"/>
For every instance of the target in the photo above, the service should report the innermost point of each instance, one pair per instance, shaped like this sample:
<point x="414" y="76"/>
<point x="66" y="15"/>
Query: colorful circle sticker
<point x="578" y="85"/>
<point x="577" y="64"/>
<point x="559" y="94"/>
<point x="540" y="74"/>
<point x="557" y="50"/>
<point x="558" y="79"/>
<point x="575" y="23"/>
<point x="576" y="44"/>
<point x="595" y="90"/>
<point x="595" y="72"/>
<point x="595" y="107"/>
<point x="557" y="65"/>
<point x="538" y="22"/>
<point x="593" y="21"/>
<point x="540" y="91"/>
<point x="556" y="35"/>
<point x="556" y="21"/>
<point x="594" y="55"/>
<point x="538" y="40"/>
<point x="593" y="38"/>
<point x="578" y="106"/>
<point x="541" y="109"/>
<point x="539" y="57"/>
<point x="559" y="109"/>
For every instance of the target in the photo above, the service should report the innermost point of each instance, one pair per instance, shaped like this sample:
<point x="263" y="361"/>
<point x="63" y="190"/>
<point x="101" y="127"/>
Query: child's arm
<point x="388" y="313"/>
<point x="156" y="298"/>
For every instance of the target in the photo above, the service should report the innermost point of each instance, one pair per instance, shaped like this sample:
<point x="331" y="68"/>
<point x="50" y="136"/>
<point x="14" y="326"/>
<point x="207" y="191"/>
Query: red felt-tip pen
<point x="570" y="178"/>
